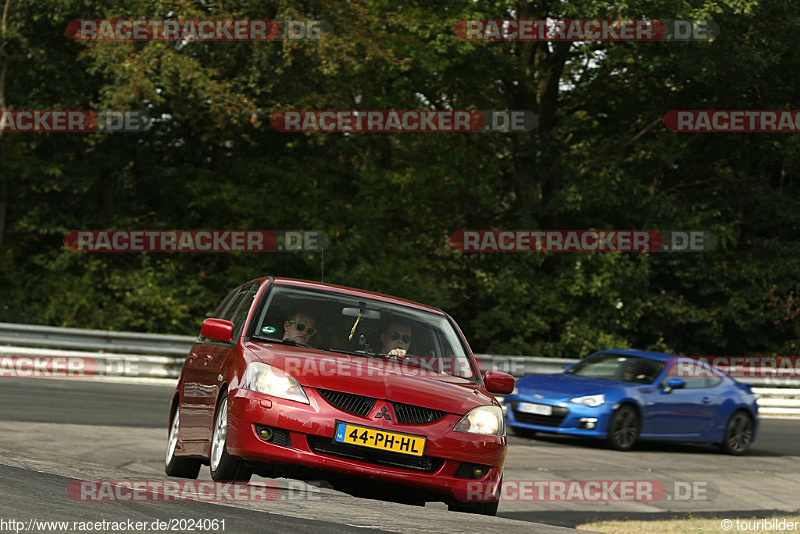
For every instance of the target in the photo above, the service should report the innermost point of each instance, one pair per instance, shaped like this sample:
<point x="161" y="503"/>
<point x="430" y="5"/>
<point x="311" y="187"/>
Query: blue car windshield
<point x="619" y="367"/>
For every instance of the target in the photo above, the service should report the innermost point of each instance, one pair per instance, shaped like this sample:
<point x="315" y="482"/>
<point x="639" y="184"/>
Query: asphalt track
<point x="57" y="431"/>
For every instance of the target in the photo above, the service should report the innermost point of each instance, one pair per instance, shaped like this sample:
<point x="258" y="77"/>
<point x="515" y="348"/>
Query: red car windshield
<point x="365" y="327"/>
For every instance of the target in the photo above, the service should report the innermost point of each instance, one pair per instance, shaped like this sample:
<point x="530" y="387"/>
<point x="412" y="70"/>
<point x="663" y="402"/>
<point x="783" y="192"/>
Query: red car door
<point x="210" y="364"/>
<point x="189" y="407"/>
<point x="198" y="388"/>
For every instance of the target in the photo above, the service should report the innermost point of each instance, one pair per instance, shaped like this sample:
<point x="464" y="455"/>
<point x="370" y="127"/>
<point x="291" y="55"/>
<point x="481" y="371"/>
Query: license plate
<point x="379" y="439"/>
<point x="538" y="409"/>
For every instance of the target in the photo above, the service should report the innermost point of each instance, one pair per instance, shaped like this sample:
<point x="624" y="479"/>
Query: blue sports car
<point x="622" y="396"/>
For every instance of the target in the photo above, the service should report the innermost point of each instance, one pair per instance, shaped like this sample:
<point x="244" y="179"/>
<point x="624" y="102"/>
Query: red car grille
<point x="347" y="402"/>
<point x="407" y="414"/>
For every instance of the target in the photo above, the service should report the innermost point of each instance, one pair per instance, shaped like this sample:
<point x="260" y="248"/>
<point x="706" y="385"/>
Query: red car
<point x="380" y="396"/>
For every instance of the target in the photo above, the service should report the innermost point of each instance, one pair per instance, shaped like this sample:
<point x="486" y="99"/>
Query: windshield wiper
<point x="353" y="353"/>
<point x="291" y="342"/>
<point x="418" y="365"/>
<point x="366" y="350"/>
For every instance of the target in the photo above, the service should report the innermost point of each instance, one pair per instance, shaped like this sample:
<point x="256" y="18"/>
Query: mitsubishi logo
<point x="383" y="414"/>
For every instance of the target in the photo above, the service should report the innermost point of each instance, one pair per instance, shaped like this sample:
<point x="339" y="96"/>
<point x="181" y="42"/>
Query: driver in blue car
<point x="637" y="371"/>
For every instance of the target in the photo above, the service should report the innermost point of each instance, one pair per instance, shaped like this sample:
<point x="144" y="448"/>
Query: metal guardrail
<point x="25" y="335"/>
<point x="133" y="354"/>
<point x="519" y="366"/>
<point x="72" y="363"/>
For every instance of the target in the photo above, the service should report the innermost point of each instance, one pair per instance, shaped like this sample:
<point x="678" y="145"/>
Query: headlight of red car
<point x="487" y="420"/>
<point x="270" y="380"/>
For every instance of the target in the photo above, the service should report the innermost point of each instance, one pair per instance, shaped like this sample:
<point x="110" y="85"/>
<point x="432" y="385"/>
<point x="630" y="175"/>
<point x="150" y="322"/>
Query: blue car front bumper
<point x="567" y="418"/>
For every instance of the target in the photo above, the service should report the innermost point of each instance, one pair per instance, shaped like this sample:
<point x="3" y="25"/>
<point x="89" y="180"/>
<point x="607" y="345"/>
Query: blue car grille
<point x="558" y="416"/>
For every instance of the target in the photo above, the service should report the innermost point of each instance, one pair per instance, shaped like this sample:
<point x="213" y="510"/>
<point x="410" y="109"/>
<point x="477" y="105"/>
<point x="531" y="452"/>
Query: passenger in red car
<point x="300" y="327"/>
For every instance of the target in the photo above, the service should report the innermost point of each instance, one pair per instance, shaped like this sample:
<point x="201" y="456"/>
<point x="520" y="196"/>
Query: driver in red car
<point x="299" y="327"/>
<point x="396" y="340"/>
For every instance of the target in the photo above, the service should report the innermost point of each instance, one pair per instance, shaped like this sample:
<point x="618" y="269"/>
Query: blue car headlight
<point x="590" y="400"/>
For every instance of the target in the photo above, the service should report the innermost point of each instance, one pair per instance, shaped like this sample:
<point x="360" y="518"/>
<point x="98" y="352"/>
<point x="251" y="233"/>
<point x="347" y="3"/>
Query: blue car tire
<point x="623" y="428"/>
<point x="738" y="434"/>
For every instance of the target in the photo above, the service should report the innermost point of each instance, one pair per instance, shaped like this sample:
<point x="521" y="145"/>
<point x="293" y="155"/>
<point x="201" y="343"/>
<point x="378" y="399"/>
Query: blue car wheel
<point x="623" y="429"/>
<point x="738" y="434"/>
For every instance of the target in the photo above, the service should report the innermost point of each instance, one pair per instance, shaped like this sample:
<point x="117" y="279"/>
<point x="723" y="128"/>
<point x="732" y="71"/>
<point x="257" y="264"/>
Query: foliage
<point x="600" y="157"/>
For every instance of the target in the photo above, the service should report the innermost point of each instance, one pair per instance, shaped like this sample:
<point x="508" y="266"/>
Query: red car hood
<point x="375" y="378"/>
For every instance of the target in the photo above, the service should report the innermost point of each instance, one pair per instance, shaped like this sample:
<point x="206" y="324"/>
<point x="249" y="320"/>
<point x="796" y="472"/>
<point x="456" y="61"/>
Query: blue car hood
<point x="561" y="385"/>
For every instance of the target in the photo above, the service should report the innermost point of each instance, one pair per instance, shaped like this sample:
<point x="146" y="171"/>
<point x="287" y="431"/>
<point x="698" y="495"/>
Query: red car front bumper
<point x="310" y="424"/>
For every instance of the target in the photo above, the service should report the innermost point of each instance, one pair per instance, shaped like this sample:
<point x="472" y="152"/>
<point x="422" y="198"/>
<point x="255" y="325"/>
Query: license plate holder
<point x="536" y="409"/>
<point x="378" y="439"/>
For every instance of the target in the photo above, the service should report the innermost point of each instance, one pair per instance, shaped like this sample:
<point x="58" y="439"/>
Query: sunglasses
<point x="397" y="335"/>
<point x="302" y="326"/>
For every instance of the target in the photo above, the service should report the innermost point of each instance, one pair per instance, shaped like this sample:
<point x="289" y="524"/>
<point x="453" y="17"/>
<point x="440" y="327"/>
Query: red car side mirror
<point x="497" y="382"/>
<point x="217" y="330"/>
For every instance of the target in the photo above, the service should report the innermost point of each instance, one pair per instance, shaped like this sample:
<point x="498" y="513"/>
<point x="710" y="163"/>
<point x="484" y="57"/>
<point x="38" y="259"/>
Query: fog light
<point x="588" y="423"/>
<point x="472" y="471"/>
<point x="266" y="433"/>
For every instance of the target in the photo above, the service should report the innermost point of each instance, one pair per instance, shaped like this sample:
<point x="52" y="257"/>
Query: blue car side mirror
<point x="568" y="367"/>
<point x="674" y="383"/>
